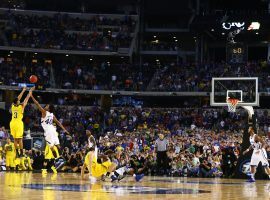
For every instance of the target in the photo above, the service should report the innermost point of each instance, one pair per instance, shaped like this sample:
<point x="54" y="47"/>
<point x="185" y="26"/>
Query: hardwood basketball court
<point x="70" y="186"/>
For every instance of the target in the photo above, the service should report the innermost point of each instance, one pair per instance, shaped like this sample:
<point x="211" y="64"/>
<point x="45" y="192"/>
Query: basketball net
<point x="232" y="103"/>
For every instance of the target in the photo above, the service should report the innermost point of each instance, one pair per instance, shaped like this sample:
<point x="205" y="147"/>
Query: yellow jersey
<point x="96" y="168"/>
<point x="10" y="149"/>
<point x="17" y="112"/>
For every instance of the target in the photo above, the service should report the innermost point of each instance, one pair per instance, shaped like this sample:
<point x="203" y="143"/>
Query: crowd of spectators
<point x="160" y="46"/>
<point x="94" y="75"/>
<point x="74" y="74"/>
<point x="201" y="142"/>
<point x="194" y="77"/>
<point x="72" y="23"/>
<point x="104" y="76"/>
<point x="99" y="33"/>
<point x="17" y="70"/>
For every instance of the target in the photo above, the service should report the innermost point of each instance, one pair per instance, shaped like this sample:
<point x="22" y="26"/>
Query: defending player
<point x="16" y="123"/>
<point x="47" y="119"/>
<point x="132" y="168"/>
<point x="258" y="155"/>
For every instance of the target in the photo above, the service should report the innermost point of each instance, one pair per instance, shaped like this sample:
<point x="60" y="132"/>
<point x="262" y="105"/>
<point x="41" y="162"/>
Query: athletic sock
<point x="252" y="176"/>
<point x="116" y="174"/>
<point x="54" y="169"/>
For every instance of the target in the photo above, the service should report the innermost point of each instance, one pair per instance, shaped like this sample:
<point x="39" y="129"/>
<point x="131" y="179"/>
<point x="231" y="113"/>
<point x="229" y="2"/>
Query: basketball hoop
<point x="232" y="103"/>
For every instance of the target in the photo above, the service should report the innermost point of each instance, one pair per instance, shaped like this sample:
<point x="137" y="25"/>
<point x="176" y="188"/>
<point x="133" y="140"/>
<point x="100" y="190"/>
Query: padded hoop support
<point x="250" y="111"/>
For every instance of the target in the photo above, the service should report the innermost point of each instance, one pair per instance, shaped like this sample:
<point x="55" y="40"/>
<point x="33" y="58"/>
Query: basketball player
<point x="47" y="119"/>
<point x="258" y="155"/>
<point x="49" y="160"/>
<point x="132" y="168"/>
<point x="16" y="123"/>
<point x="91" y="141"/>
<point x="96" y="169"/>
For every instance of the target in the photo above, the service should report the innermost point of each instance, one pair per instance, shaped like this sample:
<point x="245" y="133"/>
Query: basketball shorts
<point x="100" y="169"/>
<point x="51" y="137"/>
<point x="16" y="129"/>
<point x="259" y="156"/>
<point x="10" y="161"/>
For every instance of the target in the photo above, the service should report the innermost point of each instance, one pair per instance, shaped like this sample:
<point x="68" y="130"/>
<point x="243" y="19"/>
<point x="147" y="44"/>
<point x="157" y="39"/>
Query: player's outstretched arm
<point x="60" y="125"/>
<point x="247" y="150"/>
<point x="38" y="105"/>
<point x="21" y="94"/>
<point x="27" y="97"/>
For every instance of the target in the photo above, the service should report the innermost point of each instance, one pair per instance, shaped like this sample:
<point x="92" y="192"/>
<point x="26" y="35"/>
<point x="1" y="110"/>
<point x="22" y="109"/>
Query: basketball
<point x="33" y="79"/>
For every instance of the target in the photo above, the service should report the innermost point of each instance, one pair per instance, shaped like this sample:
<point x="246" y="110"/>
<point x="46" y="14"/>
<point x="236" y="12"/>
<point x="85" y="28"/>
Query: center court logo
<point x="116" y="189"/>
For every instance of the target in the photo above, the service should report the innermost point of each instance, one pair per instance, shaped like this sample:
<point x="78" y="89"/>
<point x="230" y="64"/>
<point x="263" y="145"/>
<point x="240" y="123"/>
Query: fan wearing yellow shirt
<point x="10" y="154"/>
<point x="16" y="123"/>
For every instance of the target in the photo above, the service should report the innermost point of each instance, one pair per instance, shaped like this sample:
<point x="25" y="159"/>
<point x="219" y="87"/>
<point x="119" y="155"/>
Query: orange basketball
<point x="33" y="79"/>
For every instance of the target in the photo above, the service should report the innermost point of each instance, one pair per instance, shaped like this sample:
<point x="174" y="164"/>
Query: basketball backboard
<point x="245" y="89"/>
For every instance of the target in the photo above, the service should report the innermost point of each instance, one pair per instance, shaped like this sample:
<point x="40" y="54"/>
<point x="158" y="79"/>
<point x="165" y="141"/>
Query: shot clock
<point x="236" y="53"/>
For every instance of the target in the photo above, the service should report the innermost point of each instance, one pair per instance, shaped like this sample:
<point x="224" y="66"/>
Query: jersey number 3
<point x="15" y="115"/>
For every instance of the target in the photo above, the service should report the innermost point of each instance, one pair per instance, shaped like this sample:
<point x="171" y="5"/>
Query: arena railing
<point x="57" y="51"/>
<point x="111" y="92"/>
<point x="70" y="14"/>
<point x="118" y="92"/>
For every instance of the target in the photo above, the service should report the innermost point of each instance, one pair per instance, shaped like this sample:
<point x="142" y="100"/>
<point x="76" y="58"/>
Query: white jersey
<point x="47" y="122"/>
<point x="90" y="143"/>
<point x="257" y="146"/>
<point x="259" y="153"/>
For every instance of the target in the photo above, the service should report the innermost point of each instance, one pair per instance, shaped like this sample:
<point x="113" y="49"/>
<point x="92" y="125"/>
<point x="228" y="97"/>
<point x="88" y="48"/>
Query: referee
<point x="161" y="146"/>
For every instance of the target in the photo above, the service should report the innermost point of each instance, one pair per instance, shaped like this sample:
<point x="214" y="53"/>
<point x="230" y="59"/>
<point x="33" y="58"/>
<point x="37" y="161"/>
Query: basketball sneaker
<point x="139" y="177"/>
<point x="113" y="178"/>
<point x="251" y="180"/>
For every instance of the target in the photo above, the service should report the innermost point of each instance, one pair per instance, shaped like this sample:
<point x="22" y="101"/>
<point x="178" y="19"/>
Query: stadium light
<point x="254" y="26"/>
<point x="67" y="55"/>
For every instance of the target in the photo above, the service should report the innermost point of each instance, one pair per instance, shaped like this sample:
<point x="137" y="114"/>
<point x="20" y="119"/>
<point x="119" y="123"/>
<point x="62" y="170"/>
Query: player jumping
<point x="47" y="119"/>
<point x="16" y="123"/>
<point x="258" y="155"/>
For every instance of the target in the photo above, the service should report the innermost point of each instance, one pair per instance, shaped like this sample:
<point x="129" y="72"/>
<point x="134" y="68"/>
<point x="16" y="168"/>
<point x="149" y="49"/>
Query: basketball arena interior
<point x="134" y="99"/>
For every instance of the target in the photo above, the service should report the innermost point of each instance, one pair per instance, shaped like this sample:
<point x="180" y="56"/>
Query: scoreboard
<point x="236" y="53"/>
